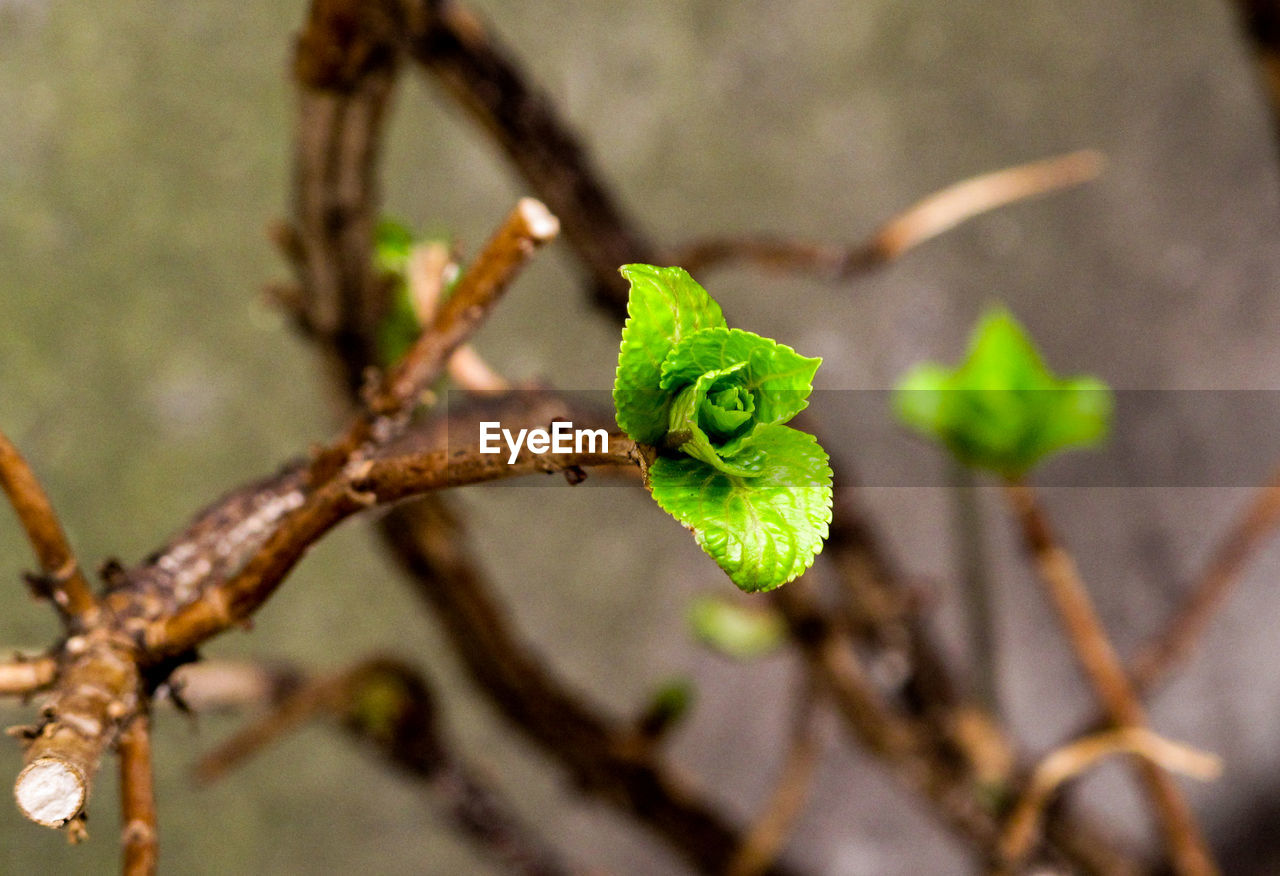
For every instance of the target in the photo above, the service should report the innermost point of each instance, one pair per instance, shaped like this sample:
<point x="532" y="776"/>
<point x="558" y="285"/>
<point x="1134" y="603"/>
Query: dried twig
<point x="139" y="835"/>
<point x="425" y="273"/>
<point x="97" y="689"/>
<point x="938" y="213"/>
<point x="390" y="705"/>
<point x="61" y="577"/>
<point x="1178" y="638"/>
<point x="478" y="72"/>
<point x="24" y="676"/>
<point x="768" y="833"/>
<point x="1074" y="758"/>
<point x="1107" y="676"/>
<point x="230" y="685"/>
<point x="527" y="227"/>
<point x="594" y="747"/>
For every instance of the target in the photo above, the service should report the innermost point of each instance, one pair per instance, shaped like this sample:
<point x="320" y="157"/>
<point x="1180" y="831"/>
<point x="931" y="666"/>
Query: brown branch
<point x="389" y="705"/>
<point x="321" y="695"/>
<point x="453" y="45"/>
<point x="928" y="218"/>
<point x="374" y="481"/>
<point x="98" y="687"/>
<point x="229" y="685"/>
<point x="597" y="749"/>
<point x="346" y="68"/>
<point x="1107" y="676"/>
<point x="1260" y="20"/>
<point x="768" y="833"/>
<point x="139" y="835"/>
<point x="1073" y="759"/>
<point x="472" y="66"/>
<point x="24" y="676"/>
<point x="97" y="690"/>
<point x="61" y="576"/>
<point x="425" y="275"/>
<point x="1175" y="642"/>
<point x="905" y="744"/>
<point x="526" y="228"/>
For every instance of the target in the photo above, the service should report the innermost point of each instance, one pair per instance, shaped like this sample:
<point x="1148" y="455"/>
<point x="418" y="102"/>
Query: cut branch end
<point x="542" y="224"/>
<point x="50" y="791"/>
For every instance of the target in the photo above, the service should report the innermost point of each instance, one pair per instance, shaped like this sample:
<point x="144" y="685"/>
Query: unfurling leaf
<point x="713" y="401"/>
<point x="1002" y="409"/>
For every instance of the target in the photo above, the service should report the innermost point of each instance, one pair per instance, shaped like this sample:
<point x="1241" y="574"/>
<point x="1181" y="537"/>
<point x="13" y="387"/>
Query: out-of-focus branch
<point x="768" y="833"/>
<point x="389" y="705"/>
<point x="24" y="676"/>
<point x="936" y="214"/>
<point x="1107" y="676"/>
<point x="452" y="44"/>
<point x="477" y="71"/>
<point x="1074" y="758"/>
<point x="1261" y="21"/>
<point x="139" y="835"/>
<point x="230" y="685"/>
<point x="594" y="747"/>
<point x="60" y="578"/>
<point x="1175" y="642"/>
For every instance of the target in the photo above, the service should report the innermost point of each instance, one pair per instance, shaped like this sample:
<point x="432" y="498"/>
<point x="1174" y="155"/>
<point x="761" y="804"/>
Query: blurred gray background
<point x="144" y="147"/>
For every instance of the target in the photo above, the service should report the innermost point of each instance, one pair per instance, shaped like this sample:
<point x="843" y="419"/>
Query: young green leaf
<point x="763" y="530"/>
<point x="1002" y="409"/>
<point x="777" y="377"/>
<point x="666" y="304"/>
<point x="697" y="422"/>
<point x="392" y="240"/>
<point x="399" y="327"/>
<point x="712" y="401"/>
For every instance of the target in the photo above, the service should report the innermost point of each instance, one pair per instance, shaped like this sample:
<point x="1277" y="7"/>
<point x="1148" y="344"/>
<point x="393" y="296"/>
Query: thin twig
<point x="139" y="834"/>
<point x="390" y="705"/>
<point x="936" y="214"/>
<point x="62" y="577"/>
<point x="426" y="275"/>
<point x="374" y="481"/>
<point x="27" y="675"/>
<point x="1175" y="642"/>
<point x="320" y="695"/>
<point x="594" y="747"/>
<point x="527" y="227"/>
<point x="229" y="685"/>
<point x="1106" y="674"/>
<point x="478" y="72"/>
<point x="97" y="692"/>
<point x="454" y="45"/>
<point x="1074" y="758"/>
<point x="768" y="834"/>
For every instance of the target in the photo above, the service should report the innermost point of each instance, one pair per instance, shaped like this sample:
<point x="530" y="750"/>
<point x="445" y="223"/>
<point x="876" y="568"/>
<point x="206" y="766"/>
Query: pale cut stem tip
<point x="542" y="223"/>
<point x="50" y="792"/>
